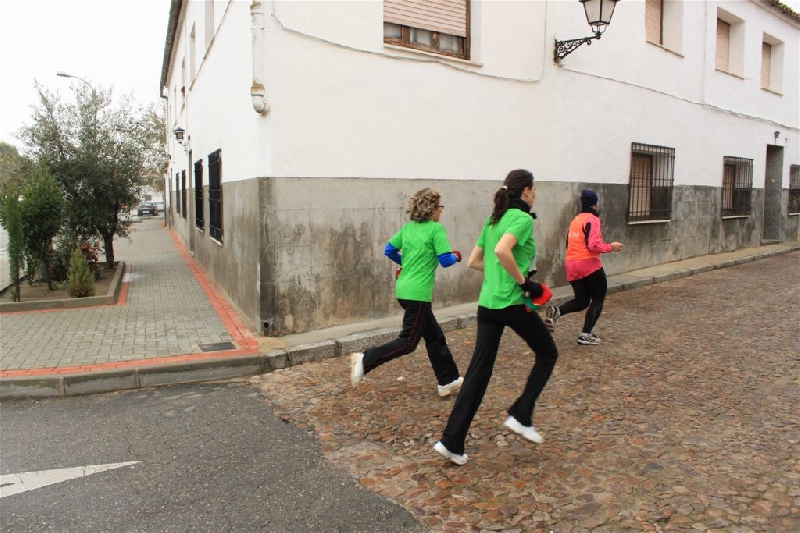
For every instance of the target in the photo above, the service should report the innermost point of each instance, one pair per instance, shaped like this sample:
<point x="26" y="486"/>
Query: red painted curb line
<point x="233" y="322"/>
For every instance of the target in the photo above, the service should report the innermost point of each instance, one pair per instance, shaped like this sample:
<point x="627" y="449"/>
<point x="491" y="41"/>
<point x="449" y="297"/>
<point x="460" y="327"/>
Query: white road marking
<point x="11" y="484"/>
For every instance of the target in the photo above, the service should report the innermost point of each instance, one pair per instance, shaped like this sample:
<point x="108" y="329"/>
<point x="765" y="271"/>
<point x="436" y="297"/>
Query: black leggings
<point x="591" y="288"/>
<point x="491" y="323"/>
<point x="418" y="322"/>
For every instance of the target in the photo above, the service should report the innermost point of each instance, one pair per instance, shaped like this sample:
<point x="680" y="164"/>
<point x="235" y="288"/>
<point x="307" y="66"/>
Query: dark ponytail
<point x="516" y="182"/>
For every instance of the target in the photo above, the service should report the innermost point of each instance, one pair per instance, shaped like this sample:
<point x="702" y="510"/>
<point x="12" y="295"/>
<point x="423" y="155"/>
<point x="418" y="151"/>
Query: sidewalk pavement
<point x="171" y="325"/>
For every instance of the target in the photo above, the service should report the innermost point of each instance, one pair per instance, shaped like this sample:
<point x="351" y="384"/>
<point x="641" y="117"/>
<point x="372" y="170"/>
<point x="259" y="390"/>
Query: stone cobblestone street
<point x="686" y="418"/>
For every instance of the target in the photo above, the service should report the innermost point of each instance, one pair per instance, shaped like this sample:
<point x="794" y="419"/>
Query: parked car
<point x="147" y="208"/>
<point x="159" y="206"/>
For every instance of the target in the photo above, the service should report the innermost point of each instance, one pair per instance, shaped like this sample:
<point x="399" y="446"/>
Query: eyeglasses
<point x="439" y="207"/>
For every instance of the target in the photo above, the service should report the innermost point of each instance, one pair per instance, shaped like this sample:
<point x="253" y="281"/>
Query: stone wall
<point x="300" y="254"/>
<point x="321" y="242"/>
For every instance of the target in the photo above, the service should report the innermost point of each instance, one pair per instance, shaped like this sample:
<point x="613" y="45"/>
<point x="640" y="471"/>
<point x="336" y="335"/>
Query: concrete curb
<point x="226" y="367"/>
<point x="135" y="377"/>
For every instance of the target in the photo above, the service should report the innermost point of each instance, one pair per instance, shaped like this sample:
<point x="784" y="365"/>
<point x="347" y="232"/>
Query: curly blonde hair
<point x="421" y="206"/>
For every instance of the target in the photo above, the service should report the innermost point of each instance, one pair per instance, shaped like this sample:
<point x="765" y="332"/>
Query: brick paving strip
<point x="167" y="311"/>
<point x="685" y="418"/>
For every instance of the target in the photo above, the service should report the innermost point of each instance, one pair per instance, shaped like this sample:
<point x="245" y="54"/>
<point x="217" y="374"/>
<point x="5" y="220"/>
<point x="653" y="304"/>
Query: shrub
<point x="91" y="249"/>
<point x="41" y="219"/>
<point x="80" y="279"/>
<point x="59" y="256"/>
<point x="59" y="263"/>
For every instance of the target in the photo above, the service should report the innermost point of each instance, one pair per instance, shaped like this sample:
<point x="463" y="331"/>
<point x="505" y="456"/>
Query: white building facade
<point x="306" y="124"/>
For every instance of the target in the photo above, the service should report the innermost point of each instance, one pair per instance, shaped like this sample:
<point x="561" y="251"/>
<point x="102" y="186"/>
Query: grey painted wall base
<point x="304" y="254"/>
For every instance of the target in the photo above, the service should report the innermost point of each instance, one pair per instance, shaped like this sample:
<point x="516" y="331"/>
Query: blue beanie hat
<point x="588" y="198"/>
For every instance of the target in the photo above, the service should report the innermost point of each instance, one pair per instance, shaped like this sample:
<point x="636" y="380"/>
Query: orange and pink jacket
<point x="584" y="246"/>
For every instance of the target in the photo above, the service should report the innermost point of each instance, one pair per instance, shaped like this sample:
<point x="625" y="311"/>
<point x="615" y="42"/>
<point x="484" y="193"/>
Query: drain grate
<point x="217" y="346"/>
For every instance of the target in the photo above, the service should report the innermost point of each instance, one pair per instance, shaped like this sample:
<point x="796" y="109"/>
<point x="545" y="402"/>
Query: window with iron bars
<point x="737" y="186"/>
<point x="794" y="189"/>
<point x="183" y="194"/>
<point x="215" y="195"/>
<point x="177" y="192"/>
<point x="650" y="184"/>
<point x="199" y="222"/>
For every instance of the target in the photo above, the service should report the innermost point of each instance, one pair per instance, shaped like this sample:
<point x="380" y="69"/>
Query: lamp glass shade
<point x="598" y="13"/>
<point x="179" y="133"/>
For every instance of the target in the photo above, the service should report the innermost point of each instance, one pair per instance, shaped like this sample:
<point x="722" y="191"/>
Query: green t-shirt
<point x="499" y="289"/>
<point x="419" y="243"/>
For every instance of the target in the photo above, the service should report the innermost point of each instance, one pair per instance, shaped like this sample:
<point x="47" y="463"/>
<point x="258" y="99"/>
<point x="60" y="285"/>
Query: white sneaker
<point x="445" y="390"/>
<point x="454" y="457"/>
<point x="588" y="338"/>
<point x="529" y="432"/>
<point x="356" y="368"/>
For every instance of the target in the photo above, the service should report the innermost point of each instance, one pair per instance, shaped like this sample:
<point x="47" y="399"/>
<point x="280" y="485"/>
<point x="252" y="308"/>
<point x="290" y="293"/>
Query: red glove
<point x="458" y="256"/>
<point x="545" y="297"/>
<point x="397" y="272"/>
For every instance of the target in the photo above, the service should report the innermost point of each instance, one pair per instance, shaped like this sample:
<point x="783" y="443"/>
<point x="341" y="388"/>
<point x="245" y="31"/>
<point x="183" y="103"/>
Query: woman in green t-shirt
<point x="503" y="252"/>
<point x="424" y="246"/>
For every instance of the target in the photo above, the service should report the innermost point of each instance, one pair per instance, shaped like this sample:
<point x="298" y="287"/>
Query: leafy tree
<point x="11" y="220"/>
<point x="80" y="280"/>
<point x="157" y="161"/>
<point x="100" y="154"/>
<point x="11" y="164"/>
<point x="41" y="219"/>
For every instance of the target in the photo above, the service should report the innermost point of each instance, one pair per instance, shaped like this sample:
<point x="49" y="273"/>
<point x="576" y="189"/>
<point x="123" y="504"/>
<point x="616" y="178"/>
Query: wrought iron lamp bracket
<point x="563" y="48"/>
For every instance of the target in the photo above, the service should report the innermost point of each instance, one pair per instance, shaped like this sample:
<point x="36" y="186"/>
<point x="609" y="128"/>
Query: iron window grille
<point x="737" y="186"/>
<point x="177" y="192"/>
<point x="215" y="195"/>
<point x="651" y="183"/>
<point x="183" y="194"/>
<point x="794" y="189"/>
<point x="198" y="195"/>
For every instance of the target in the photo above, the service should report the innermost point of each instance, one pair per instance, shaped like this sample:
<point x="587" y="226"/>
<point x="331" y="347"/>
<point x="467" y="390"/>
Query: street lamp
<point x="67" y="75"/>
<point x="182" y="138"/>
<point x="598" y="15"/>
<point x="63" y="74"/>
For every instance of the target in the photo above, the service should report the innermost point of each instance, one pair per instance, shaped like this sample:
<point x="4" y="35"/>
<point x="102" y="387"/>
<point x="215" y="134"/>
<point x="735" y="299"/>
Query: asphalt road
<point x="204" y="457"/>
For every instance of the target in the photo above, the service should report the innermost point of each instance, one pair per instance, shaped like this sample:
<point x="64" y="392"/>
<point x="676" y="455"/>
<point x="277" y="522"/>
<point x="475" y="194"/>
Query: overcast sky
<point x="117" y="43"/>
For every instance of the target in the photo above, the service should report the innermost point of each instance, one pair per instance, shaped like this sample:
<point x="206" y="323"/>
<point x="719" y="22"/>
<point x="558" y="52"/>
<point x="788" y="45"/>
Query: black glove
<point x="531" y="288"/>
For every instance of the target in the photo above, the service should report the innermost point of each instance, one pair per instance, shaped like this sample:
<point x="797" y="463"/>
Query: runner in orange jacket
<point x="585" y="269"/>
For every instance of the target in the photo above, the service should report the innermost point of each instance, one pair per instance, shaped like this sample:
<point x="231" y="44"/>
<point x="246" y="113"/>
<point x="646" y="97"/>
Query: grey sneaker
<point x="459" y="459"/>
<point x="356" y="368"/>
<point x="588" y="338"/>
<point x="552" y="314"/>
<point x="445" y="390"/>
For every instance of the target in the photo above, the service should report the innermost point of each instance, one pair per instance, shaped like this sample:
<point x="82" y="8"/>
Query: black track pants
<point x="491" y="323"/>
<point x="589" y="291"/>
<point x="418" y="323"/>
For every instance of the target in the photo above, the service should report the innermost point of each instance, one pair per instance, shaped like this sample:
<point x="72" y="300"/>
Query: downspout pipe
<point x="258" y="92"/>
